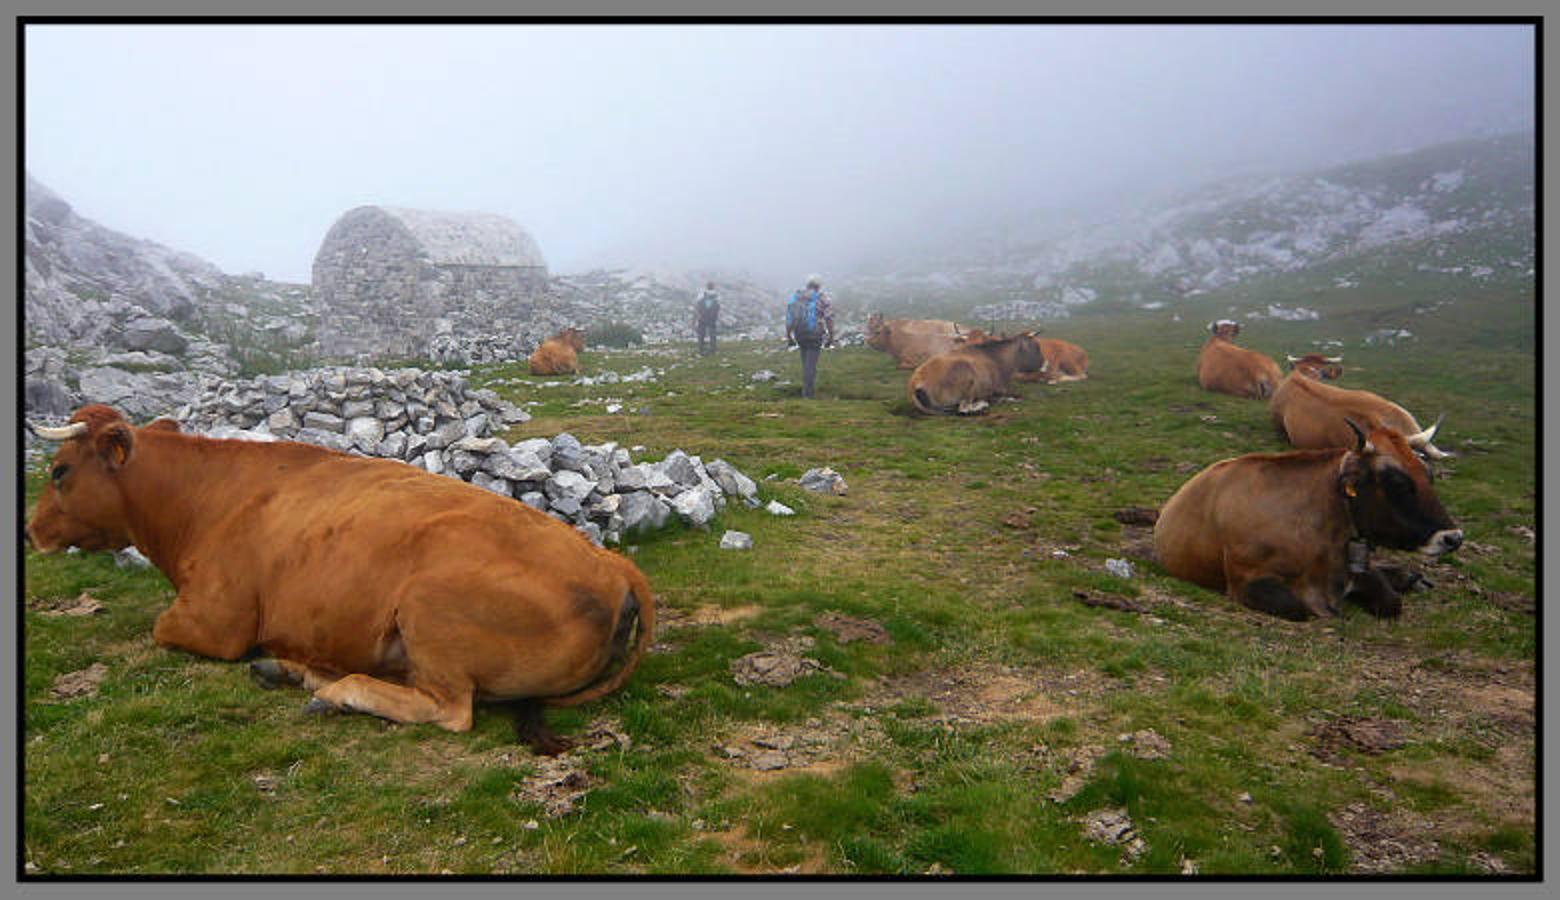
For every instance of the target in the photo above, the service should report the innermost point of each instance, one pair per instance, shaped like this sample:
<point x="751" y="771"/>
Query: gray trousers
<point x="810" y="352"/>
<point x="706" y="329"/>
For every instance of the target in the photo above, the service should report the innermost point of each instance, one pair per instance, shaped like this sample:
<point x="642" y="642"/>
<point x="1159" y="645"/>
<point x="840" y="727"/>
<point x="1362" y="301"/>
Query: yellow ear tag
<point x="1349" y="490"/>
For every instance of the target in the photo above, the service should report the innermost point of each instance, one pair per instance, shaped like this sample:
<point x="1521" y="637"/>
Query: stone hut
<point x="390" y="280"/>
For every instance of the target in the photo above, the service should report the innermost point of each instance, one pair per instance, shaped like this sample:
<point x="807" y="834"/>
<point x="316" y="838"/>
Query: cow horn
<point x="1361" y="445"/>
<point x="62" y="433"/>
<point x="1426" y="436"/>
<point x="1333" y="359"/>
<point x="1292" y="359"/>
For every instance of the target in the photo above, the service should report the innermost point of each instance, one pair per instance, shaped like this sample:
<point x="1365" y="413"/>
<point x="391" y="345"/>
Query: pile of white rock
<point x="435" y="421"/>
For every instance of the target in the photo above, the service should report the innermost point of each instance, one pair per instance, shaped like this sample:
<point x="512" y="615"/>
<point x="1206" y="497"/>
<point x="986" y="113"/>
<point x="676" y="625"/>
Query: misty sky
<point x="776" y="150"/>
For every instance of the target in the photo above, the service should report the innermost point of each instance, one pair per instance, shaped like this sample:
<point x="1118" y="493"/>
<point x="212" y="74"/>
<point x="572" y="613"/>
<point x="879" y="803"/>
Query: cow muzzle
<point x="1442" y="542"/>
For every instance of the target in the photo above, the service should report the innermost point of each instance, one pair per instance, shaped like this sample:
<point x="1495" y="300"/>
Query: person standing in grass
<point x="706" y="312"/>
<point x="809" y="325"/>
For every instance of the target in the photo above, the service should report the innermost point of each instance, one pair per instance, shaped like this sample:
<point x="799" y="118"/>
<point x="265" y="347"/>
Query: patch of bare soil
<point x="818" y="746"/>
<point x="560" y="782"/>
<point x="1514" y="602"/>
<point x="1374" y="736"/>
<point x="1075" y="765"/>
<point x="847" y="629"/>
<point x="1455" y="697"/>
<point x="984" y="694"/>
<point x="84" y="605"/>
<point x="1137" y="515"/>
<point x="1138" y="543"/>
<point x="702" y="616"/>
<point x="1109" y="601"/>
<point x="81" y="683"/>
<point x="744" y="853"/>
<point x="1384" y="842"/>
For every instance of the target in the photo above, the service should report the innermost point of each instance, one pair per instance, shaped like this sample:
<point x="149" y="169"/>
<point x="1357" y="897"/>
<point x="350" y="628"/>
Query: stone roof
<point x="469" y="239"/>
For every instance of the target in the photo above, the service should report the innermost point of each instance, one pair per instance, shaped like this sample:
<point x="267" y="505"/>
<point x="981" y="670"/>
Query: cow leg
<point x="1272" y="596"/>
<point x="220" y="628"/>
<point x="272" y="672"/>
<point x="1371" y="590"/>
<point x="398" y="703"/>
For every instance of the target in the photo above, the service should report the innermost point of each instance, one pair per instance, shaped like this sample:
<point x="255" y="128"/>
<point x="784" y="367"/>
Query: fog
<point x="771" y="150"/>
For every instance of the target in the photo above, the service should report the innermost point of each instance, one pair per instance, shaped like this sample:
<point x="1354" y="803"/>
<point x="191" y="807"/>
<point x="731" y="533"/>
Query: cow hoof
<point x="267" y="673"/>
<point x="318" y="707"/>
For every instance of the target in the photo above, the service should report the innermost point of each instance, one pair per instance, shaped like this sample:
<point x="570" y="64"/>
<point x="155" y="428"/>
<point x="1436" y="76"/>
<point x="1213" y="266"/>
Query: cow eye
<point x="1398" y="483"/>
<point x="59" y="473"/>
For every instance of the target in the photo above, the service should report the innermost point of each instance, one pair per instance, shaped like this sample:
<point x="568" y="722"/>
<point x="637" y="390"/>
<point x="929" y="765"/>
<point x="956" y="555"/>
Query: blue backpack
<point x="802" y="314"/>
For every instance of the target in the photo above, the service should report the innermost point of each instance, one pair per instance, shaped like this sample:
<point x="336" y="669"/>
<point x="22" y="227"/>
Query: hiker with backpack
<point x="706" y="312"/>
<point x="809" y="325"/>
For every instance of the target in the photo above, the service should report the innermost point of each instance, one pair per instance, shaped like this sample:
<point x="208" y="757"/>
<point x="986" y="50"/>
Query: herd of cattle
<point x="452" y="594"/>
<point x="1284" y="533"/>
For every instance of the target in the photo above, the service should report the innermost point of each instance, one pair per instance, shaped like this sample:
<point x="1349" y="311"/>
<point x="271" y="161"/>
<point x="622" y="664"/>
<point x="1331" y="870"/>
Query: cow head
<point x="574" y="337"/>
<point x="877" y="332"/>
<point x="82" y="505"/>
<point x="1317" y="366"/>
<point x="1225" y="328"/>
<point x="1390" y="498"/>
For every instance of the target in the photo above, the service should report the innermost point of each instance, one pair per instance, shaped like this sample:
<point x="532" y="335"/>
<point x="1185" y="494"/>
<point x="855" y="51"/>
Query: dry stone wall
<point x="435" y="421"/>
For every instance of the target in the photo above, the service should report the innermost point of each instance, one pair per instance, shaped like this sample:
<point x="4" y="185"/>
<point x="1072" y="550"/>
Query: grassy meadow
<point x="1013" y="707"/>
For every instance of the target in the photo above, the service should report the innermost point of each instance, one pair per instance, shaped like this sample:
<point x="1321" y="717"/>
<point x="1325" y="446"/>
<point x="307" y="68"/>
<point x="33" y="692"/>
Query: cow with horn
<point x="1311" y="415"/>
<point x="1290" y="533"/>
<point x="378" y="586"/>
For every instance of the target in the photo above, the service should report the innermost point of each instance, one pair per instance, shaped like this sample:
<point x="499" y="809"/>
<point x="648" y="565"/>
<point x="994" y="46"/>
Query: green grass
<point x="936" y="751"/>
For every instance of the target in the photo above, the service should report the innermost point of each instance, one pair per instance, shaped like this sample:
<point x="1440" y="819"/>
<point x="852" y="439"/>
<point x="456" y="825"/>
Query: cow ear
<point x="113" y="444"/>
<point x="163" y="424"/>
<point x="1351" y="474"/>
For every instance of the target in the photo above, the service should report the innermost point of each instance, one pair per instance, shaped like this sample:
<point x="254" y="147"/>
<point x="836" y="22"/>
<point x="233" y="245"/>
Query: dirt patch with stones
<point x="81" y="683"/>
<point x="1333" y="738"/>
<point x="985" y="694"/>
<point x="1381" y="842"/>
<point x="847" y="629"/>
<point x="83" y="605"/>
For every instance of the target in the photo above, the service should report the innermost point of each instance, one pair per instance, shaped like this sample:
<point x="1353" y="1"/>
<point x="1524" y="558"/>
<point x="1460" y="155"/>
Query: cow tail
<point x="637" y="612"/>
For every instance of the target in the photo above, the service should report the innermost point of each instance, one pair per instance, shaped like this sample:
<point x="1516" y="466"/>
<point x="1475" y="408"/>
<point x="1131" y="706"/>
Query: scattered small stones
<point x="1146" y="744"/>
<point x="773" y="668"/>
<point x="558" y="786"/>
<point x="736" y="540"/>
<point x="776" y="508"/>
<point x="763" y="375"/>
<point x="1115" y="828"/>
<point x="1381" y="843"/>
<point x="130" y="557"/>
<point x="81" y="683"/>
<point x="846" y="629"/>
<point x="822" y="481"/>
<point x="1077" y="767"/>
<point x="1119" y="568"/>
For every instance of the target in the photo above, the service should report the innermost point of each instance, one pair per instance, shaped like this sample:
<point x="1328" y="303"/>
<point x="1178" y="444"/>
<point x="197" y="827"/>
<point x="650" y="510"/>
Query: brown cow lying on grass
<point x="1316" y="366"/>
<point x="966" y="378"/>
<point x="914" y="341"/>
<point x="1228" y="369"/>
<point x="558" y="355"/>
<point x="1061" y="361"/>
<point x="1289" y="533"/>
<point x="1313" y="415"/>
<point x="380" y="587"/>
